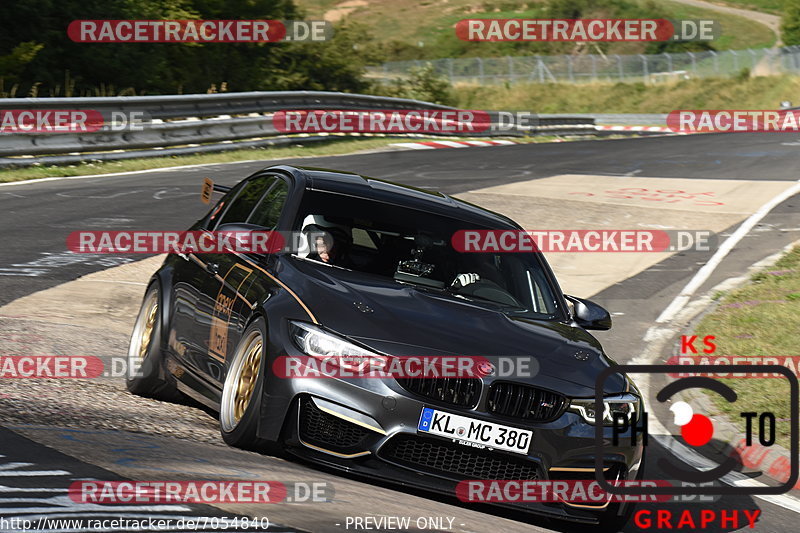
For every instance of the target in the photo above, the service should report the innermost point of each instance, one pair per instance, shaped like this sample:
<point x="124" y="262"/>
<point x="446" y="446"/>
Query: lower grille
<point x="327" y="431"/>
<point x="463" y="392"/>
<point x="523" y="401"/>
<point x="460" y="462"/>
<point x="610" y="473"/>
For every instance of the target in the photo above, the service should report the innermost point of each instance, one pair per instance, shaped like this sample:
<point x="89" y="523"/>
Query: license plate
<point x="473" y="432"/>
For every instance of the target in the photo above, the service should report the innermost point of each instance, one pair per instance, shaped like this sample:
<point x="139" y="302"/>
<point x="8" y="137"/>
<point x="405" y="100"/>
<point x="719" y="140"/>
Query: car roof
<point x="352" y="184"/>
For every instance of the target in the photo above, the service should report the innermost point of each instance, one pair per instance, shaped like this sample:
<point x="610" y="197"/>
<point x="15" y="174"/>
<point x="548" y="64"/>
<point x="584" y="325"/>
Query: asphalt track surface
<point x="36" y="218"/>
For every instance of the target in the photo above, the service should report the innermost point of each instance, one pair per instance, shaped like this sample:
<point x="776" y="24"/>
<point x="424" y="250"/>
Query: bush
<point x="790" y="23"/>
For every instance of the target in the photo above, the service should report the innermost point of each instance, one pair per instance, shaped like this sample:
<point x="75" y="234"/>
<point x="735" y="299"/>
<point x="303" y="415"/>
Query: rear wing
<point x="210" y="187"/>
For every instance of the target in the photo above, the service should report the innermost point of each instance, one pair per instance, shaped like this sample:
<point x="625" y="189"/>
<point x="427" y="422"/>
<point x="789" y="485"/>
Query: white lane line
<point x="14" y="466"/>
<point x="705" y="272"/>
<point x="34" y="473"/>
<point x="6" y="488"/>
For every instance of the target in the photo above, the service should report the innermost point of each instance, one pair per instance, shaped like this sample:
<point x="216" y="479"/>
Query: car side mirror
<point x="250" y="238"/>
<point x="588" y="314"/>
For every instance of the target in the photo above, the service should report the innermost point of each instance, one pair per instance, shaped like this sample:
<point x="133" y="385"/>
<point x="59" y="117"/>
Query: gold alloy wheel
<point x="240" y="383"/>
<point x="247" y="379"/>
<point x="148" y="327"/>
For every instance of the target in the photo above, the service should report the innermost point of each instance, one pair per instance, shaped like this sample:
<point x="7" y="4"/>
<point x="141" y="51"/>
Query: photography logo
<point x="696" y="430"/>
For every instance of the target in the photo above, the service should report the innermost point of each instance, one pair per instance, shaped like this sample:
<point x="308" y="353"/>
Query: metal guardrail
<point x="182" y="124"/>
<point x="211" y="105"/>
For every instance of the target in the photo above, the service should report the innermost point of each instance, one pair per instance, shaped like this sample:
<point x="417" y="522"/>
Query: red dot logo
<point x="698" y="431"/>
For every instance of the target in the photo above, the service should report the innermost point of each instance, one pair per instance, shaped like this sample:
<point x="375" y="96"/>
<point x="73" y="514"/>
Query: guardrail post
<point x="510" y="63"/>
<point x="594" y="67"/>
<point x="645" y="70"/>
<point x="752" y="58"/>
<point x="735" y="60"/>
<point x="540" y="68"/>
<point x="619" y="67"/>
<point x="480" y="68"/>
<point x="450" y="68"/>
<point x="669" y="61"/>
<point x="694" y="62"/>
<point x="716" y="61"/>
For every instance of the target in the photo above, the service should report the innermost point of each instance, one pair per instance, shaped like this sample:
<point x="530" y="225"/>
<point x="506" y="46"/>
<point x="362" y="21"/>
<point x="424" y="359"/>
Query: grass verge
<point x="775" y="7"/>
<point x="760" y="319"/>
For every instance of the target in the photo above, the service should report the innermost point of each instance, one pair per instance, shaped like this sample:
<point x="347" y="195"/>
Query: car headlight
<point x="626" y="404"/>
<point x="319" y="343"/>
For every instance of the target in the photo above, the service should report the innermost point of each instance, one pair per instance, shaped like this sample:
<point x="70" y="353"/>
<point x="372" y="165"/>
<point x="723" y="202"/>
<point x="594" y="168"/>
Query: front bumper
<point x="368" y="426"/>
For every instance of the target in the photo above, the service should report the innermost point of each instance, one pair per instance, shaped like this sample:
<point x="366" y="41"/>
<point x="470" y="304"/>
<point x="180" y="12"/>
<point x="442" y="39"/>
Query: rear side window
<point x="268" y="211"/>
<point x="240" y="208"/>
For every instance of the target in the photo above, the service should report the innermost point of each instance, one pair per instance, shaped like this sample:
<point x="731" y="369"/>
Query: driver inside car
<point x="329" y="245"/>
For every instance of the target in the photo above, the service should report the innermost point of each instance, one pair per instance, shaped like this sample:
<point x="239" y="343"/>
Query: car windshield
<point x="414" y="247"/>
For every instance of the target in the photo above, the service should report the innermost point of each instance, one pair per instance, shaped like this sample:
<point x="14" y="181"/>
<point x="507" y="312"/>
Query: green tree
<point x="35" y="50"/>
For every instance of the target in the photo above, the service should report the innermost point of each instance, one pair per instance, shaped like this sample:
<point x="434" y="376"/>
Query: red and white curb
<point x="659" y="129"/>
<point x="430" y="145"/>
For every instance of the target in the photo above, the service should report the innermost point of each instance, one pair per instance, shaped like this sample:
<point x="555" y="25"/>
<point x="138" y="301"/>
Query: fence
<point x="596" y="67"/>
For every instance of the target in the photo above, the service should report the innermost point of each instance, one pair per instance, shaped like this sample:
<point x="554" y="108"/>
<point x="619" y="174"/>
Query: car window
<point x="414" y="247"/>
<point x="362" y="238"/>
<point x="269" y="209"/>
<point x="242" y="205"/>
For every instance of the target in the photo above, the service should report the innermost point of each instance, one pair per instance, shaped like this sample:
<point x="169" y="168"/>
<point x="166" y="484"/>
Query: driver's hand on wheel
<point x="462" y="280"/>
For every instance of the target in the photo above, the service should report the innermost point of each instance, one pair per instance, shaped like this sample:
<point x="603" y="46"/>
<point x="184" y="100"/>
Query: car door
<point x="230" y="275"/>
<point x="189" y="275"/>
<point x="199" y="304"/>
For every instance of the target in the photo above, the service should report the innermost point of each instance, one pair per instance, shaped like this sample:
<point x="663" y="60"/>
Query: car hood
<point x="403" y="320"/>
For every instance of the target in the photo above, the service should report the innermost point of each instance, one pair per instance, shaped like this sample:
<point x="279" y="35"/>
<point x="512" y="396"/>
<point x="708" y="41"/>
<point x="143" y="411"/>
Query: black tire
<point x="241" y="404"/>
<point x="145" y="357"/>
